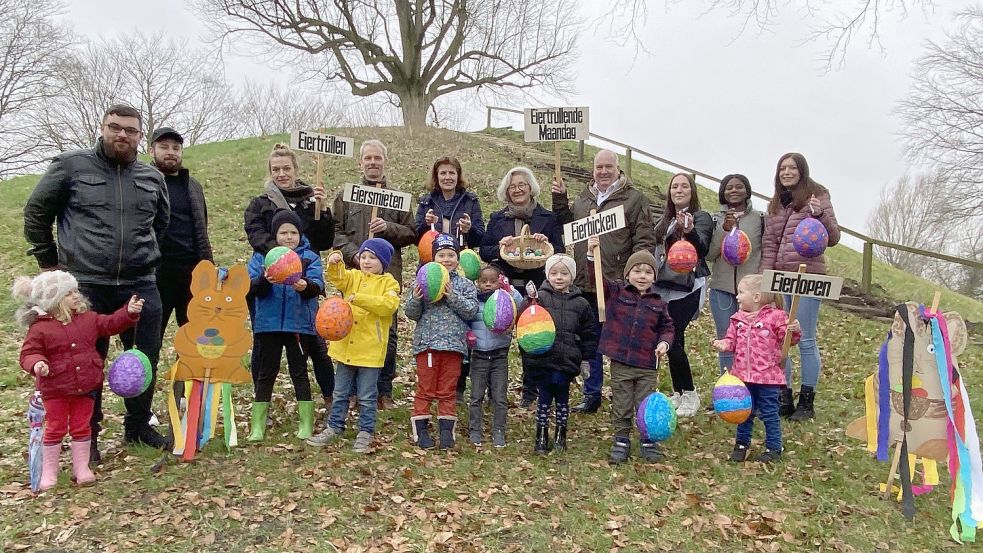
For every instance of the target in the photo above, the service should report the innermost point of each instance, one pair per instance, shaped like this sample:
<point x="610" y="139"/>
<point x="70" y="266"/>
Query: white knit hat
<point x="563" y="258"/>
<point x="50" y="287"/>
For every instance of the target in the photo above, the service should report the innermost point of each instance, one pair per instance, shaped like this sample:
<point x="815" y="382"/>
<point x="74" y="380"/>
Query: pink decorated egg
<point x="283" y="266"/>
<point x="810" y="238"/>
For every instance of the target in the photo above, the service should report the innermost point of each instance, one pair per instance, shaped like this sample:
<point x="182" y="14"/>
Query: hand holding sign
<point x="377" y="226"/>
<point x="592" y="242"/>
<point x="559" y="187"/>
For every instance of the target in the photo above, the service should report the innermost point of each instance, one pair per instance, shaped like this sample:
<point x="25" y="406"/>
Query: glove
<point x="531" y="290"/>
<point x="584" y="369"/>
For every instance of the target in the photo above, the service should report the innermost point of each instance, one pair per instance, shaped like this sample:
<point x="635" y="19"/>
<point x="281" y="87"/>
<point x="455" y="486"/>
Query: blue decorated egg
<point x="655" y="418"/>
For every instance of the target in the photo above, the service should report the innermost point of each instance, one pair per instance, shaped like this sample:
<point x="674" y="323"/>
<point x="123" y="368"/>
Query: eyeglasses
<point x="518" y="186"/>
<point x="131" y="132"/>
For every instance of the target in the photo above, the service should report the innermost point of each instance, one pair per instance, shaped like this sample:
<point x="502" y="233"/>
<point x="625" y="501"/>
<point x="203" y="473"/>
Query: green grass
<point x="285" y="496"/>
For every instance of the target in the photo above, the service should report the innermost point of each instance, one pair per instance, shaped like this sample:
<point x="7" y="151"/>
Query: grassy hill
<point x="285" y="496"/>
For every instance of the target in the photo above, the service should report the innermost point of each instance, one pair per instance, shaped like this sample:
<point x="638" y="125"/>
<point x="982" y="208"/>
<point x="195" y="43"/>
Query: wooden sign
<point x="326" y="144"/>
<point x="594" y="225"/>
<point x="802" y="284"/>
<point x="381" y="198"/>
<point x="552" y="124"/>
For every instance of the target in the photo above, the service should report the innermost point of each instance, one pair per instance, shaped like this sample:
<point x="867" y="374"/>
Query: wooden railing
<point x="869" y="242"/>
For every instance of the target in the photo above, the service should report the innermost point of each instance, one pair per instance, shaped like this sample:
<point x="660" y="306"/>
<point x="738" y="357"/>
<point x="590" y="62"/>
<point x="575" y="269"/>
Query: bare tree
<point x="413" y="51"/>
<point x="910" y="212"/>
<point x="943" y="114"/>
<point x="30" y="48"/>
<point x="272" y="109"/>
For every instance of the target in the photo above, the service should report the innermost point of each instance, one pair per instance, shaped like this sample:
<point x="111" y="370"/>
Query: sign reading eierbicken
<point x="327" y="144"/>
<point x="802" y="284"/>
<point x="382" y="198"/>
<point x="594" y="225"/>
<point x="551" y="124"/>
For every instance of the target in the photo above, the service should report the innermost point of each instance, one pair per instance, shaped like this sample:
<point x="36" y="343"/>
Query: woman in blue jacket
<point x="450" y="208"/>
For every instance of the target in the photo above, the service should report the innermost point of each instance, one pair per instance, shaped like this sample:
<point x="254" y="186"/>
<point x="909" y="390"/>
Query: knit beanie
<point x="563" y="258"/>
<point x="46" y="290"/>
<point x="444" y="242"/>
<point x="380" y="248"/>
<point x="284" y="216"/>
<point x="641" y="257"/>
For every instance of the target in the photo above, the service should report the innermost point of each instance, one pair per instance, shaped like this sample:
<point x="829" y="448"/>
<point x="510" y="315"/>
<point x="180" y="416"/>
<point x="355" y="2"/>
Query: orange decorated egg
<point x="682" y="257"/>
<point x="425" y="246"/>
<point x="334" y="319"/>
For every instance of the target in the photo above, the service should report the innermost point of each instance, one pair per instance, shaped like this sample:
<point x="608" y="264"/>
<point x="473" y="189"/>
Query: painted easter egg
<point x="470" y="264"/>
<point x="731" y="399"/>
<point x="334" y="319"/>
<point x="432" y="277"/>
<point x="810" y="238"/>
<point x="736" y="247"/>
<point x="499" y="312"/>
<point x="655" y="418"/>
<point x="535" y="330"/>
<point x="425" y="246"/>
<point x="682" y="257"/>
<point x="211" y="344"/>
<point x="283" y="266"/>
<point x="130" y="374"/>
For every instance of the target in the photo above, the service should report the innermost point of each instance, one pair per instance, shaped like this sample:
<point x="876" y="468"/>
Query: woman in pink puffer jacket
<point x="797" y="197"/>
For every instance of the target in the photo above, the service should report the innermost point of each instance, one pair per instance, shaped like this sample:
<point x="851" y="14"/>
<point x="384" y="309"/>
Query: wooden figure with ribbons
<point x="917" y="403"/>
<point x="211" y="349"/>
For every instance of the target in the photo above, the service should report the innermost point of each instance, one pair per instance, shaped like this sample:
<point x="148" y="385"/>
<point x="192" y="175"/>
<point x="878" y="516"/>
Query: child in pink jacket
<point x="755" y="335"/>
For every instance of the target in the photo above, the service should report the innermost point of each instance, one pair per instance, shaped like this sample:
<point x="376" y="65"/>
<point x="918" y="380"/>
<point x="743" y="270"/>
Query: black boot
<point x="94" y="457"/>
<point x="785" y="405"/>
<point x="421" y="427"/>
<point x="446" y="433"/>
<point x="560" y="441"/>
<point x="542" y="446"/>
<point x="619" y="451"/>
<point x="805" y="409"/>
<point x="589" y="406"/>
<point x="651" y="452"/>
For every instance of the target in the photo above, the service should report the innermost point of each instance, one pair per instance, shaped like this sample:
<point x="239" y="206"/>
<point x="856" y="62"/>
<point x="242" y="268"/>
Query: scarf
<point x="786" y="197"/>
<point x="521" y="214"/>
<point x="284" y="197"/>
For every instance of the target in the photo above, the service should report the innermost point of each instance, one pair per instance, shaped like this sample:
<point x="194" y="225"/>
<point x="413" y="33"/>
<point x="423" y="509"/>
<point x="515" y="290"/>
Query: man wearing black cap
<point x="185" y="242"/>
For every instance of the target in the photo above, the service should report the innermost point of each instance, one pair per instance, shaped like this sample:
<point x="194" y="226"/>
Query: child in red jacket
<point x="60" y="351"/>
<point x="755" y="335"/>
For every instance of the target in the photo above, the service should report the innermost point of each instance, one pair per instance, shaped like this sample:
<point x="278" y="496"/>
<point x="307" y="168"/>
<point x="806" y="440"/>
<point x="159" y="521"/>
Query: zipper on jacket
<point x="119" y="186"/>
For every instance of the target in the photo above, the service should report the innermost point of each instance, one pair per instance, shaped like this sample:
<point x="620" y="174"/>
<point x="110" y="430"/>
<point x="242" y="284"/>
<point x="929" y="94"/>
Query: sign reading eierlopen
<point x="594" y="225"/>
<point x="382" y="198"/>
<point x="552" y="124"/>
<point x="802" y="284"/>
<point x="327" y="144"/>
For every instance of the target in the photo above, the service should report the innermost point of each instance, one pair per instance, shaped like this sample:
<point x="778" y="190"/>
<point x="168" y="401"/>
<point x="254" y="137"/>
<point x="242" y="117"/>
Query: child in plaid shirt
<point x="637" y="332"/>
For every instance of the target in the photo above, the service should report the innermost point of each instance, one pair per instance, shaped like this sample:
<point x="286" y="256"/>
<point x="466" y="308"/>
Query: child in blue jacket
<point x="283" y="315"/>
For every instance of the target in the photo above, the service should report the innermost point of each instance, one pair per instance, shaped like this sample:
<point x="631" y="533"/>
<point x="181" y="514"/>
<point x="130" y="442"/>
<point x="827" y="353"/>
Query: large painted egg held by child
<point x="535" y="331"/>
<point x="810" y="238"/>
<point x="470" y="264"/>
<point x="499" y="312"/>
<point x="425" y="246"/>
<point x="682" y="257"/>
<point x="655" y="418"/>
<point x="130" y="374"/>
<point x="334" y="319"/>
<point x="735" y="247"/>
<point x="731" y="399"/>
<point x="283" y="266"/>
<point x="432" y="277"/>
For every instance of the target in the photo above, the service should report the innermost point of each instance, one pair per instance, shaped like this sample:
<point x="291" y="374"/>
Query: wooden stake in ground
<point x="792" y="312"/>
<point x="375" y="211"/>
<point x="598" y="275"/>
<point x="556" y="161"/>
<point x="318" y="181"/>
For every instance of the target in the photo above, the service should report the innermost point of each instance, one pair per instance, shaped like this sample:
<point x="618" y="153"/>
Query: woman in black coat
<point x="449" y="207"/>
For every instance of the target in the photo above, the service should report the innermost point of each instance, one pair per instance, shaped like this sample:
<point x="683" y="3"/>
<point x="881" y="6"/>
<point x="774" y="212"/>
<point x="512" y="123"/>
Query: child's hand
<point x="300" y="285"/>
<point x="719" y="345"/>
<point x="448" y="289"/>
<point x="135" y="306"/>
<point x="531" y="290"/>
<point x="334" y="258"/>
<point x="661" y="350"/>
<point x="584" y="370"/>
<point x="418" y="292"/>
<point x="592" y="243"/>
<point x="41" y="368"/>
<point x="794" y="326"/>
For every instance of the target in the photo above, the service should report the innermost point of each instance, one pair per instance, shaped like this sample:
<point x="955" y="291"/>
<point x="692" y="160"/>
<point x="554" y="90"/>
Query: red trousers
<point x="67" y="414"/>
<point x="436" y="380"/>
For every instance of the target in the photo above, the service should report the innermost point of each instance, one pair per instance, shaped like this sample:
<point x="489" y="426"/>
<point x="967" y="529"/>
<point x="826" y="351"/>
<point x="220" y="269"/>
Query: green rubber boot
<point x="258" y="423"/>
<point x="305" y="411"/>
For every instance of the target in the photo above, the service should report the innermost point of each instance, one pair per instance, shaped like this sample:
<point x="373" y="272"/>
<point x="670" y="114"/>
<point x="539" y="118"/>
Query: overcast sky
<point x="705" y="97"/>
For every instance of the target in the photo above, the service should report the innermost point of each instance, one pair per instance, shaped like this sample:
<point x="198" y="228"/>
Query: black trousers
<point x="682" y="312"/>
<point x="316" y="348"/>
<point x="271" y="346"/>
<point x="145" y="336"/>
<point x="174" y="286"/>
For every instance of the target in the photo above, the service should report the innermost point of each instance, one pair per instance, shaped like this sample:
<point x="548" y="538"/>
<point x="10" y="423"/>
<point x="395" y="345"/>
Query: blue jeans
<point x="722" y="306"/>
<point x="367" y="392"/>
<point x="765" y="407"/>
<point x="808" y="316"/>
<point x="595" y="380"/>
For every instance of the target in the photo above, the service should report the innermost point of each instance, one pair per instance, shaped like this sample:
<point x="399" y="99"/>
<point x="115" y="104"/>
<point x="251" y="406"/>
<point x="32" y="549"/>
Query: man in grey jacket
<point x="111" y="210"/>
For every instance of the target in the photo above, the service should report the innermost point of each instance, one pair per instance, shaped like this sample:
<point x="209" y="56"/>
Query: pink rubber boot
<point x="80" y="463"/>
<point x="49" y="466"/>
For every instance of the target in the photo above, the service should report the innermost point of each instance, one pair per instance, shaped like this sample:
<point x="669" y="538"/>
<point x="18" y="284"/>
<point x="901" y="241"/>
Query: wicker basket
<point x="525" y="241"/>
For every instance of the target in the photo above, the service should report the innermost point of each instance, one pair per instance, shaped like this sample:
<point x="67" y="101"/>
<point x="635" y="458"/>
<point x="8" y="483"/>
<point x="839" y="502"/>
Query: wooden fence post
<point x="580" y="150"/>
<point x="628" y="162"/>
<point x="488" y="120"/>
<point x="867" y="267"/>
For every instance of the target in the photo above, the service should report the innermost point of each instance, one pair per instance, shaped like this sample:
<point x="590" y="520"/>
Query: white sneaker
<point x="362" y="442"/>
<point x="689" y="404"/>
<point x="674" y="400"/>
<point x="324" y="438"/>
